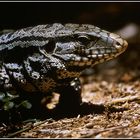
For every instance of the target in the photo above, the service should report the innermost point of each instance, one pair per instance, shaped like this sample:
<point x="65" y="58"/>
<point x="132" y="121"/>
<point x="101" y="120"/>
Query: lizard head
<point x="88" y="45"/>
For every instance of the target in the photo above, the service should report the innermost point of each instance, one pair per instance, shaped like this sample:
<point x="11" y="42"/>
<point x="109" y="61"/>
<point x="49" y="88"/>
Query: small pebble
<point x="89" y="125"/>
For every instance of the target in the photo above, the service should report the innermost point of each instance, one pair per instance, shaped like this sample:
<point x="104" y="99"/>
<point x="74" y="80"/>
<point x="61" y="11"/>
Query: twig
<point x="102" y="130"/>
<point x="25" y="129"/>
<point x="124" y="99"/>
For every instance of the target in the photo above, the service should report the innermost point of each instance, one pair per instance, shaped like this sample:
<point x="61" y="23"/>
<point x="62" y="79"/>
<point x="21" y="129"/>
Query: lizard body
<point x="48" y="58"/>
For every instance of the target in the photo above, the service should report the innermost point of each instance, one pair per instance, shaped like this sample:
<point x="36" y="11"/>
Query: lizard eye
<point x="84" y="39"/>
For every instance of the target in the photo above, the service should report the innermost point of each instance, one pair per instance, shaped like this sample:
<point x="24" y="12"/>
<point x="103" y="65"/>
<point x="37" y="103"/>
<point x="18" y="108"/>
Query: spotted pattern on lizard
<point x="50" y="58"/>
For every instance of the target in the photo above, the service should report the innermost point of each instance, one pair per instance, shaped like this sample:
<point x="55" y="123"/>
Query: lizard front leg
<point x="70" y="97"/>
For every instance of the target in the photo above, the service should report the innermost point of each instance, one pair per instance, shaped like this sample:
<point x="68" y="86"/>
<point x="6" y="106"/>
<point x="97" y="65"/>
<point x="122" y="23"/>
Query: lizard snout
<point x="120" y="43"/>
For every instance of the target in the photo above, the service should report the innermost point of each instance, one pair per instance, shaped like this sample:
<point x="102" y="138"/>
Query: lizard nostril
<point x="121" y="46"/>
<point x="118" y="44"/>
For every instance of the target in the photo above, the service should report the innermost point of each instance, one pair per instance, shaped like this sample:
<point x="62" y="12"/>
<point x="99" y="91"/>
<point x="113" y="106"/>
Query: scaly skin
<point x="48" y="58"/>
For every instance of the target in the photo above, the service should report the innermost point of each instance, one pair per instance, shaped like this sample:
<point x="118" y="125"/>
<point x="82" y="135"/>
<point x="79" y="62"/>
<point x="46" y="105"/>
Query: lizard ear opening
<point x="49" y="48"/>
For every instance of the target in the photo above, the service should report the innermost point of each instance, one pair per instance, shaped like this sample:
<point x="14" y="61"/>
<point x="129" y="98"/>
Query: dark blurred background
<point x="108" y="15"/>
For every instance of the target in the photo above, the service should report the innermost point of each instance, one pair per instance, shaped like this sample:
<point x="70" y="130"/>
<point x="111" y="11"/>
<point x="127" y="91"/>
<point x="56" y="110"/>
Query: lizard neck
<point x="66" y="74"/>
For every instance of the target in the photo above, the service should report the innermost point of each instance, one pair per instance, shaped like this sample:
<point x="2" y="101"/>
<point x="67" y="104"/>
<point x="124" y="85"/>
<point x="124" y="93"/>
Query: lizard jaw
<point x="93" y="56"/>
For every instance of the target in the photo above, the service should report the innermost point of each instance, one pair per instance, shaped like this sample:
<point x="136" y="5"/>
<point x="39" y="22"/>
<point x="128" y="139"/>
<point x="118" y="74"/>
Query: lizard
<point x="40" y="60"/>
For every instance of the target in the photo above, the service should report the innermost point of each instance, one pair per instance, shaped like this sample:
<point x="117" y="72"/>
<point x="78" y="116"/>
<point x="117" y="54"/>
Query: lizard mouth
<point x="95" y="56"/>
<point x="98" y="54"/>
